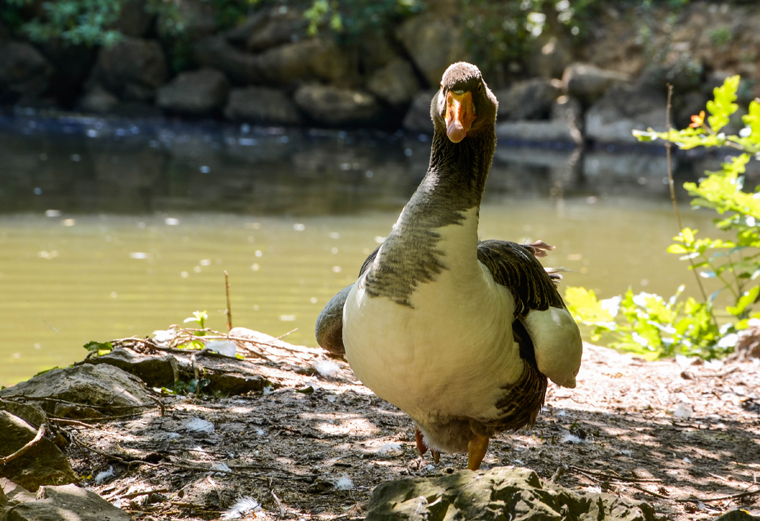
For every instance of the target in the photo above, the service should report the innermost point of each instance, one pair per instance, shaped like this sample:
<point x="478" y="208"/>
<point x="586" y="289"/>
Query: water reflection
<point x="110" y="229"/>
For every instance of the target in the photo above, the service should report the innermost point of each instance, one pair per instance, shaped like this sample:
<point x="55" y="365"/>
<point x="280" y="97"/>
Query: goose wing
<point x="554" y="343"/>
<point x="329" y="327"/>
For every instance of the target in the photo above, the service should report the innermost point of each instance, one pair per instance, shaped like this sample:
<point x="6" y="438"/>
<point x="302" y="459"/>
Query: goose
<point x="458" y="333"/>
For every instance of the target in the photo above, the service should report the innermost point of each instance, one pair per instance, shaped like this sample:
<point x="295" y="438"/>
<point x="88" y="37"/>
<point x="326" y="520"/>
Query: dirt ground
<point x="680" y="436"/>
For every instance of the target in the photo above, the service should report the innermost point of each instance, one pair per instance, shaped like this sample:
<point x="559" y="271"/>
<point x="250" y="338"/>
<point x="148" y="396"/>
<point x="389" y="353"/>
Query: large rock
<point x="624" y="109"/>
<point x="314" y="59"/>
<point x="588" y="82"/>
<point x="41" y="464"/>
<point x="333" y="106"/>
<point x="134" y="19"/>
<point x="198" y="93"/>
<point x="84" y="391"/>
<point x="133" y="68"/>
<point x="434" y="43"/>
<point x="58" y="503"/>
<point x="417" y="118"/>
<point x="262" y="105"/>
<point x="98" y="100"/>
<point x="395" y="83"/>
<point x="269" y="28"/>
<point x="536" y="131"/>
<point x="501" y="493"/>
<point x="240" y="68"/>
<point x="529" y="99"/>
<point x="156" y="371"/>
<point x="23" y="71"/>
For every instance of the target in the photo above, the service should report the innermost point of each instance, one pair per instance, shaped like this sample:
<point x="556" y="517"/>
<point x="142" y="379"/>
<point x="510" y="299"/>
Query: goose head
<point x="464" y="107"/>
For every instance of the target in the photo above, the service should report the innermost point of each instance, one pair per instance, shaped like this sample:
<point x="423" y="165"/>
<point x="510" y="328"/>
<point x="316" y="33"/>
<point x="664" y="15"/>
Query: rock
<point x="376" y="50"/>
<point x="41" y="464"/>
<point x="433" y="43"/>
<point x="737" y="515"/>
<point x="529" y="99"/>
<point x="417" y="118"/>
<point x="536" y="131"/>
<point x="98" y="100"/>
<point x="262" y="105"/>
<point x="623" y="109"/>
<point x="72" y="64"/>
<point x="23" y="70"/>
<point x="315" y="59"/>
<point x="395" y="83"/>
<point x="588" y="82"/>
<point x="134" y="20"/>
<point x="269" y="28"/>
<point x="133" y="68"/>
<point x="748" y="345"/>
<point x="550" y="56"/>
<point x="333" y="106"/>
<point x="155" y="371"/>
<point x="58" y="503"/>
<point x="84" y="391"/>
<point x="239" y="67"/>
<point x="197" y="93"/>
<point x="500" y="493"/>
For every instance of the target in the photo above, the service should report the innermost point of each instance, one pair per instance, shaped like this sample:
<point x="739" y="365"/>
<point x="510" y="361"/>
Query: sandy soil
<point x="313" y="447"/>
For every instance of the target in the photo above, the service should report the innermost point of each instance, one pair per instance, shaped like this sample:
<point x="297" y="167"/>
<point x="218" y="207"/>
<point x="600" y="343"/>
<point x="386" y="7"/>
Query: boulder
<point x="134" y="20"/>
<point x="536" y="131"/>
<point x="529" y="99"/>
<point x="58" y="503"/>
<point x="43" y="463"/>
<point x="262" y="105"/>
<point x="239" y="67"/>
<point x="334" y="106"/>
<point x="269" y="28"/>
<point x="588" y="82"/>
<point x="376" y="50"/>
<point x="737" y="515"/>
<point x="500" y="493"/>
<point x="550" y="55"/>
<point x="417" y="118"/>
<point x="197" y="93"/>
<point x="314" y="59"/>
<point x="23" y="70"/>
<point x="156" y="371"/>
<point x="395" y="83"/>
<point x="433" y="43"/>
<point x="98" y="100"/>
<point x="133" y="68"/>
<point x="84" y="391"/>
<point x="623" y="109"/>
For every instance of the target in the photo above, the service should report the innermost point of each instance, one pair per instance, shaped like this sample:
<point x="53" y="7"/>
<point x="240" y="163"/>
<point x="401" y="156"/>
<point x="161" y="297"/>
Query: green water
<point x="69" y="279"/>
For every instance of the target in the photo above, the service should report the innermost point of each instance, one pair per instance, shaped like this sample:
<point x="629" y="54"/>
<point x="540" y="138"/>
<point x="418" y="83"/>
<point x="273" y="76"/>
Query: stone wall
<point x="268" y="71"/>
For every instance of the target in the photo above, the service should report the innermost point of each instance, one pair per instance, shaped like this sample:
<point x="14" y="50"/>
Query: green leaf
<point x="723" y="106"/>
<point x="584" y="306"/>
<point x="746" y="300"/>
<point x="677" y="249"/>
<point x="105" y="347"/>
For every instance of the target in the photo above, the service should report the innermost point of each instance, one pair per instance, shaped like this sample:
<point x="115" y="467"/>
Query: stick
<point x="229" y="306"/>
<point x="286" y="334"/>
<point x="671" y="183"/>
<point x="26" y="447"/>
<point x="734" y="496"/>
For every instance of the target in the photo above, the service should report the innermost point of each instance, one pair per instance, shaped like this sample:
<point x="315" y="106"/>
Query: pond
<point x="111" y="229"/>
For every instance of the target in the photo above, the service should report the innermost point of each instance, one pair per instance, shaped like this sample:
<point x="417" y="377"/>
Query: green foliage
<point x="351" y="19"/>
<point x="101" y="348"/>
<point x="649" y="324"/>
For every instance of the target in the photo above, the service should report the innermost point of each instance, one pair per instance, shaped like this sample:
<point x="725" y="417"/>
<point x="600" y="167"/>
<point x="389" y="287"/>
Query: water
<point x="114" y="229"/>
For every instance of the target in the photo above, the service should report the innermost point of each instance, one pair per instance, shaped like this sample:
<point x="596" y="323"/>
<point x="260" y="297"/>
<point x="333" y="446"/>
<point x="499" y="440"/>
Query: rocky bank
<point x="268" y="71"/>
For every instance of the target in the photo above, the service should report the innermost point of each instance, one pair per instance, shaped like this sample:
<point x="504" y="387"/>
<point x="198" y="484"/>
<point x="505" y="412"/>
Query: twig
<point x="671" y="183"/>
<point x="26" y="447"/>
<point x="595" y="474"/>
<point x="146" y="492"/>
<point x="286" y="334"/>
<point x="708" y="500"/>
<point x="276" y="499"/>
<point x="229" y="306"/>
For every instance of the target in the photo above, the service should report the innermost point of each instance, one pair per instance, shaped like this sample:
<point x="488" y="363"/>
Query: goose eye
<point x="480" y="87"/>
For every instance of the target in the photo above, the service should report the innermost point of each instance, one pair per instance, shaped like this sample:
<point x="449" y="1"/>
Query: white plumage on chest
<point x="451" y="351"/>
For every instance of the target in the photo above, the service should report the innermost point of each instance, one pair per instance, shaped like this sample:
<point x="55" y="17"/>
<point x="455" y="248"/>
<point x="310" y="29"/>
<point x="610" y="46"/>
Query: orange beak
<point x="459" y="115"/>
